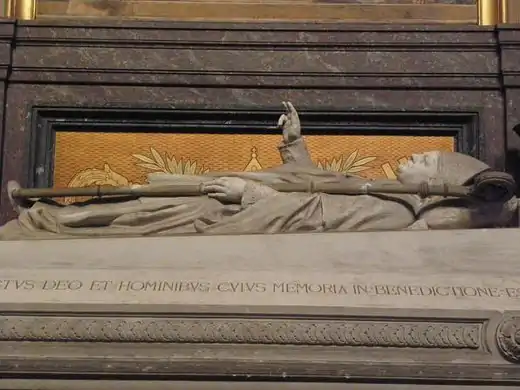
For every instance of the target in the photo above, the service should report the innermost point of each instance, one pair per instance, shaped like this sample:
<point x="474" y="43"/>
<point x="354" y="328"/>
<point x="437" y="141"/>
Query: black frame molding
<point x="47" y="121"/>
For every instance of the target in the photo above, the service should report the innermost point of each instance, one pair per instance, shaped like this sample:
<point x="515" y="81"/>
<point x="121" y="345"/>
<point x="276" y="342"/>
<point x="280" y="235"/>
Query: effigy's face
<point x="419" y="168"/>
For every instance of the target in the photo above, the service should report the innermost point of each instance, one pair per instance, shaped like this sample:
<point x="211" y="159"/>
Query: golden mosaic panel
<point x="85" y="159"/>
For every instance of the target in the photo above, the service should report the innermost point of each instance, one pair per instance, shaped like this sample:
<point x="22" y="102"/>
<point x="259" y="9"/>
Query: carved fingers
<point x="290" y="123"/>
<point x="282" y="121"/>
<point x="226" y="189"/>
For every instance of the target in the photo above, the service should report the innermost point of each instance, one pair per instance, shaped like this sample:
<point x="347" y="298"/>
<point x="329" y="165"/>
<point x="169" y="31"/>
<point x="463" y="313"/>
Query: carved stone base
<point x="418" y="306"/>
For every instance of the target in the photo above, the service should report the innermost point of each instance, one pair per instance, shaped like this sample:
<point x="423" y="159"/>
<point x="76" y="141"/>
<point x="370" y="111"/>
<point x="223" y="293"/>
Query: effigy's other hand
<point x="226" y="189"/>
<point x="290" y="123"/>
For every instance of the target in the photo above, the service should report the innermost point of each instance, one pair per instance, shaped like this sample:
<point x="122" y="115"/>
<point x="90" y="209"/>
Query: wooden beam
<point x="259" y="10"/>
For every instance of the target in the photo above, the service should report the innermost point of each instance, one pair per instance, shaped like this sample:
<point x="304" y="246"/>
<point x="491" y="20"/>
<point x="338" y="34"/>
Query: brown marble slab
<point x="6" y="41"/>
<point x="368" y="68"/>
<point x="162" y="65"/>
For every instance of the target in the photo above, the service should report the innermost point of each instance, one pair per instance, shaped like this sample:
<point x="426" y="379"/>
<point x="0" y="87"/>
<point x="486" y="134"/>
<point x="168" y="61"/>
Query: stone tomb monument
<point x="292" y="275"/>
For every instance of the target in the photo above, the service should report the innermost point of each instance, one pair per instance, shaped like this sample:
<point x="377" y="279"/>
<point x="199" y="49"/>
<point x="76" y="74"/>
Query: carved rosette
<point x="351" y="333"/>
<point x="508" y="339"/>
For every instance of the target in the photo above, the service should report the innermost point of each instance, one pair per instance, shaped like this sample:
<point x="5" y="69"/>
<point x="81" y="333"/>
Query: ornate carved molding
<point x="353" y="333"/>
<point x="508" y="339"/>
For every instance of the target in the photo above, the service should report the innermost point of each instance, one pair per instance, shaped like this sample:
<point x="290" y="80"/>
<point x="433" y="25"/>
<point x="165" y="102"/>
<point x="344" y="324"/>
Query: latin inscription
<point x="258" y="287"/>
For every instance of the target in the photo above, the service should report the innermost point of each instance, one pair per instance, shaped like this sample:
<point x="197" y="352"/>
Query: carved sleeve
<point x="296" y="152"/>
<point x="255" y="192"/>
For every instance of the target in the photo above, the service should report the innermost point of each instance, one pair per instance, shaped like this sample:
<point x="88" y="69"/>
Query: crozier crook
<point x="493" y="186"/>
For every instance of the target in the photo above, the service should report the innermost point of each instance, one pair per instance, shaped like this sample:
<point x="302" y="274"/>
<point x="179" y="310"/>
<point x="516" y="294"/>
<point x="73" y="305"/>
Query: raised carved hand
<point x="226" y="189"/>
<point x="290" y="123"/>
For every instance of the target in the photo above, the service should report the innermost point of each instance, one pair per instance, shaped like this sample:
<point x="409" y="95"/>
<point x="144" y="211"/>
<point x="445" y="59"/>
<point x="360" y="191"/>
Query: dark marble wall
<point x="509" y="45"/>
<point x="384" y="68"/>
<point x="6" y="41"/>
